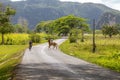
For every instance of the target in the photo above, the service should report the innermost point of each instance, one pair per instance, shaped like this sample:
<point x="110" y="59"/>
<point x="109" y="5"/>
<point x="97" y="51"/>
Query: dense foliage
<point x="63" y="26"/>
<point x="35" y="38"/>
<point x="110" y="30"/>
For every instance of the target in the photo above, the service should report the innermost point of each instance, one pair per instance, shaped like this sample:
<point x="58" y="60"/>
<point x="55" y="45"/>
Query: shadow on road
<point x="54" y="72"/>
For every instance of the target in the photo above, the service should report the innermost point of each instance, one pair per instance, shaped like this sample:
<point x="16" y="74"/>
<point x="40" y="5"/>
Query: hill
<point x="35" y="11"/>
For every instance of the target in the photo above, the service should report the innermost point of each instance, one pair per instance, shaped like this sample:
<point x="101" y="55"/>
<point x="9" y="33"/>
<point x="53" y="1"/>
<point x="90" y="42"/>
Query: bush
<point x="51" y="37"/>
<point x="72" y="39"/>
<point x="16" y="39"/>
<point x="35" y="38"/>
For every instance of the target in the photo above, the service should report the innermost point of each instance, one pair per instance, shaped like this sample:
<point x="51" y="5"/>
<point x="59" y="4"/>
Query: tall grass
<point x="107" y="53"/>
<point x="10" y="56"/>
<point x="16" y="39"/>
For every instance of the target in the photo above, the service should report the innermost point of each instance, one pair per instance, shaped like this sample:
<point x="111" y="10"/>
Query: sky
<point x="115" y="4"/>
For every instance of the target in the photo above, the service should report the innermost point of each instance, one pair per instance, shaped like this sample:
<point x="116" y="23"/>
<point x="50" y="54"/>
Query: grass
<point x="10" y="56"/>
<point x="107" y="53"/>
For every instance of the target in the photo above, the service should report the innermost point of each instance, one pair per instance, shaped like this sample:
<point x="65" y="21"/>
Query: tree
<point x="45" y="26"/>
<point x="109" y="30"/>
<point x="64" y="30"/>
<point x="73" y="38"/>
<point x="24" y="24"/>
<point x="118" y="28"/>
<point x="63" y="25"/>
<point x="71" y="21"/>
<point x="5" y="15"/>
<point x="18" y="28"/>
<point x="84" y="28"/>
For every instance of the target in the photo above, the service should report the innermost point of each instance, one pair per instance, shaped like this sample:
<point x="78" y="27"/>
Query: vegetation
<point x="11" y="53"/>
<point x="110" y="30"/>
<point x="5" y="25"/>
<point x="106" y="55"/>
<point x="35" y="38"/>
<point x="63" y="26"/>
<point x="9" y="60"/>
<point x="16" y="39"/>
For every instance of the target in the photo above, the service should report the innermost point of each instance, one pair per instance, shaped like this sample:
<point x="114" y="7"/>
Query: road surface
<point x="42" y="63"/>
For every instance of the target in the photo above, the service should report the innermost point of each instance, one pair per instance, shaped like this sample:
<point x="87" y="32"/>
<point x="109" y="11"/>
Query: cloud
<point x="115" y="4"/>
<point x="82" y="1"/>
<point x="111" y="1"/>
<point x="17" y="0"/>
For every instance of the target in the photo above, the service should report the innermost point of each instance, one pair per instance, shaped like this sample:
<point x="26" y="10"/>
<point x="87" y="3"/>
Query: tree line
<point x="64" y="26"/>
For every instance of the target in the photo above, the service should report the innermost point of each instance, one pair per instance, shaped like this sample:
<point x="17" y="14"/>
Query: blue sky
<point x="115" y="4"/>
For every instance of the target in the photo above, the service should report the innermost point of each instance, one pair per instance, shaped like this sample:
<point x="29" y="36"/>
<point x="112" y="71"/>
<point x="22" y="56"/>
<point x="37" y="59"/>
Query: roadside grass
<point x="10" y="56"/>
<point x="107" y="53"/>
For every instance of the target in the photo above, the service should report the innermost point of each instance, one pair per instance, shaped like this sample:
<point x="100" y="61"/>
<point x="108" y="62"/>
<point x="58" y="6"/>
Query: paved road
<point x="42" y="63"/>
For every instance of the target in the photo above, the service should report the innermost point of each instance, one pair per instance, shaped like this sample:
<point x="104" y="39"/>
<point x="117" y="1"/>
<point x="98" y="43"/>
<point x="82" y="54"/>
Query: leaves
<point x="62" y="25"/>
<point x="110" y="30"/>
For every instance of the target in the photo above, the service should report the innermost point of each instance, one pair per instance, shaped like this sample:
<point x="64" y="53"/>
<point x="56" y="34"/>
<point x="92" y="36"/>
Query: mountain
<point x="108" y="18"/>
<point x="35" y="11"/>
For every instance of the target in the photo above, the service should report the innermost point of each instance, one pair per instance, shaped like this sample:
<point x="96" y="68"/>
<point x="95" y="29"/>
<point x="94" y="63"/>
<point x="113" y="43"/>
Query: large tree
<point x="5" y="14"/>
<point x="63" y="25"/>
<point x="71" y="21"/>
<point x="110" y="30"/>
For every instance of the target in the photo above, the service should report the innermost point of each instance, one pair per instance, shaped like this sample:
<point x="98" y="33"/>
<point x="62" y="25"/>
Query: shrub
<point x="35" y="38"/>
<point x="51" y="37"/>
<point x="72" y="39"/>
<point x="16" y="39"/>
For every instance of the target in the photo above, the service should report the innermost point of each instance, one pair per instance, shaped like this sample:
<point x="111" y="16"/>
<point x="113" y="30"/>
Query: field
<point x="10" y="56"/>
<point x="107" y="53"/>
<point x="11" y="53"/>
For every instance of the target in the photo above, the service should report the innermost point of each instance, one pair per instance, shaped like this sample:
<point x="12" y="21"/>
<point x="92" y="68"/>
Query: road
<point x="42" y="63"/>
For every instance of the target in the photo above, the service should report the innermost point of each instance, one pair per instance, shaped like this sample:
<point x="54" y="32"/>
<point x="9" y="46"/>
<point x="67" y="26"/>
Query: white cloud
<point x="17" y="0"/>
<point x="82" y="1"/>
<point x="115" y="4"/>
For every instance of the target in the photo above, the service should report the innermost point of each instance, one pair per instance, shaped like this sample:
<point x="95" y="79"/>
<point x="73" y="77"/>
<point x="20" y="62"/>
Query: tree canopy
<point x="62" y="25"/>
<point x="110" y="30"/>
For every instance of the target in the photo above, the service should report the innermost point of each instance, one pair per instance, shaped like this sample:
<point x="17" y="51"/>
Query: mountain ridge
<point x="42" y="10"/>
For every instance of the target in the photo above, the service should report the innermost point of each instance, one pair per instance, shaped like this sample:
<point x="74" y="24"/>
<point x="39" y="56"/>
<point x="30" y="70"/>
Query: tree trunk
<point x="105" y="36"/>
<point x="2" y="38"/>
<point x="82" y="39"/>
<point x="94" y="44"/>
<point x="110" y="35"/>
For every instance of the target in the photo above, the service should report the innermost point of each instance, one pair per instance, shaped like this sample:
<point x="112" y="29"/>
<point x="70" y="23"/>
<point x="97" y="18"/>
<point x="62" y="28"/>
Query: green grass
<point x="10" y="56"/>
<point x="107" y="53"/>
